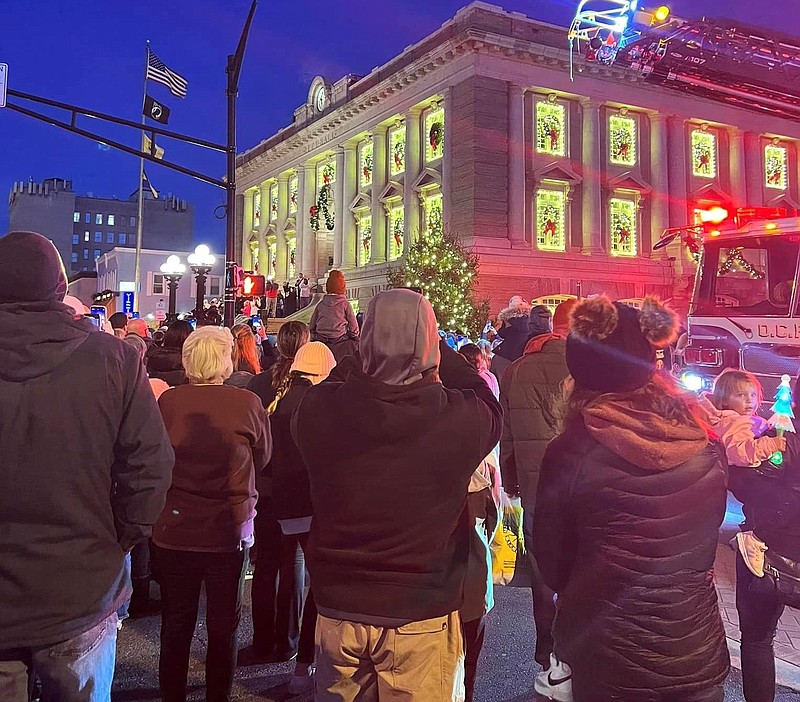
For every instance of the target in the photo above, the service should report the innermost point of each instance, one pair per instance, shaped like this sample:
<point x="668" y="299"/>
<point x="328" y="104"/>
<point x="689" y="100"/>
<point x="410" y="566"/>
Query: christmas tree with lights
<point x="781" y="420"/>
<point x="445" y="271"/>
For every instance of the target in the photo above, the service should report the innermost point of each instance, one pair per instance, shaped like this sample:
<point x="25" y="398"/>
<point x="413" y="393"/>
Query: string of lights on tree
<point x="446" y="271"/>
<point x="735" y="259"/>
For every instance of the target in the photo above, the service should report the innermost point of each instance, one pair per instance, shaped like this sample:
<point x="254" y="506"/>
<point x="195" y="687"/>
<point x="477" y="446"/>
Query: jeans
<point x="759" y="611"/>
<point x="306" y="648"/>
<point x="181" y="574"/>
<point x="277" y="588"/>
<point x="80" y="669"/>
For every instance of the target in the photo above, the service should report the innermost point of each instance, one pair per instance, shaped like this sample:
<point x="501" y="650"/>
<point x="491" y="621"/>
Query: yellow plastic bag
<point x="508" y="544"/>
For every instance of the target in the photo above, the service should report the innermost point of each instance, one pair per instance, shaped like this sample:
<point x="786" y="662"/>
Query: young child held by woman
<point x="732" y="412"/>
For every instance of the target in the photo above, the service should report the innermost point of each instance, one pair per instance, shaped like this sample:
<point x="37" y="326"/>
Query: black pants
<point x="181" y="574"/>
<point x="277" y="589"/>
<point x="140" y="574"/>
<point x="586" y="691"/>
<point x="759" y="611"/>
<point x="308" y="629"/>
<point x="473" y="633"/>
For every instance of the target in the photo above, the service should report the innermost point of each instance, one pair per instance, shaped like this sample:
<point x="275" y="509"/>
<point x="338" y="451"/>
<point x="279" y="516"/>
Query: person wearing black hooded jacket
<point x="519" y="327"/>
<point x="85" y="464"/>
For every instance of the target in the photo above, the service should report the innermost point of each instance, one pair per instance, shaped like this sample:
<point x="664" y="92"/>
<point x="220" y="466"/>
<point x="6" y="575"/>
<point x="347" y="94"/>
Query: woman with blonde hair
<point x="221" y="437"/>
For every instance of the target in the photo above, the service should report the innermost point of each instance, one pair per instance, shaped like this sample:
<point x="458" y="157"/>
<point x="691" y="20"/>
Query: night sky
<point x="91" y="53"/>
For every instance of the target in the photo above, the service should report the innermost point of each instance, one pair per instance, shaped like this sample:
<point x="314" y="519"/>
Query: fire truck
<point x="745" y="306"/>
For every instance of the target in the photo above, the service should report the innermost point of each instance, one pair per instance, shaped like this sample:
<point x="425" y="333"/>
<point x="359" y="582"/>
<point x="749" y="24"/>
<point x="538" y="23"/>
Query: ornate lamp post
<point x="201" y="262"/>
<point x="172" y="271"/>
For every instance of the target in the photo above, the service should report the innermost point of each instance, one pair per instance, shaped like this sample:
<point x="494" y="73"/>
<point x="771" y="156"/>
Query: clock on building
<point x="320" y="98"/>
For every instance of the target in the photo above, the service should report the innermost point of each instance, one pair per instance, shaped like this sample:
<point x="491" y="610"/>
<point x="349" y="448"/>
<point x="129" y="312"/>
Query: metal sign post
<point x="3" y="83"/>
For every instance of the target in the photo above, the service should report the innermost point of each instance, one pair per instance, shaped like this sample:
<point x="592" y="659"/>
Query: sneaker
<point x="300" y="684"/>
<point x="752" y="550"/>
<point x="556" y="683"/>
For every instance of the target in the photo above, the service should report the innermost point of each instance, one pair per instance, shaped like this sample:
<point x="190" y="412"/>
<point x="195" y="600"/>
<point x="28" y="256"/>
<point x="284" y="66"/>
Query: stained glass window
<point x="551" y="128"/>
<point x="622" y="219"/>
<point x="434" y="134"/>
<point x="291" y="245"/>
<point x="776" y="167"/>
<point x="364" y="239"/>
<point x="365" y="164"/>
<point x="293" y="194"/>
<point x="396" y="230"/>
<point x="622" y="140"/>
<point x="256" y="209"/>
<point x="273" y="202"/>
<point x="397" y="149"/>
<point x="704" y="154"/>
<point x="433" y="213"/>
<point x="551" y="215"/>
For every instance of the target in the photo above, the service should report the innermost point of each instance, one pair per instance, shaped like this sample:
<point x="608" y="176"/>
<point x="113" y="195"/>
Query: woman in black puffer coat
<point x="165" y="361"/>
<point x="629" y="504"/>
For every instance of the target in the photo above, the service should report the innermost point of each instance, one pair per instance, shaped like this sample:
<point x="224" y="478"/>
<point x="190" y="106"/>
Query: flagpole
<point x="137" y="271"/>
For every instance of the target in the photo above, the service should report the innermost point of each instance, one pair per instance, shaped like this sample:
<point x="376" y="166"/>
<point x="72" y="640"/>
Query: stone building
<point x="84" y="227"/>
<point x="560" y="185"/>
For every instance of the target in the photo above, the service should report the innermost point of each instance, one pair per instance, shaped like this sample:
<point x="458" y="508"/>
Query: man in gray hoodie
<point x="390" y="536"/>
<point x="85" y="464"/>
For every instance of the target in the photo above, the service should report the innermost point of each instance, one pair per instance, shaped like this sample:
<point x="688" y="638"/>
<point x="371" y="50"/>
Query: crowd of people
<point x="374" y="459"/>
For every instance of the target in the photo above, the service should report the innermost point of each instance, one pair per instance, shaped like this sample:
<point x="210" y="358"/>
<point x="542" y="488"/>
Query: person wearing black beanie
<point x="630" y="499"/>
<point x="86" y="464"/>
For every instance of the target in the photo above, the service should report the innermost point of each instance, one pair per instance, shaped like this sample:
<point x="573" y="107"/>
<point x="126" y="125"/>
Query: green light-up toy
<point x="781" y="420"/>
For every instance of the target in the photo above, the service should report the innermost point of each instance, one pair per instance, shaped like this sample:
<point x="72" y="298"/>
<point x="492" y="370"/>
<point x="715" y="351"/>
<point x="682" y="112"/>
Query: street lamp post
<point x="172" y="271"/>
<point x="201" y="262"/>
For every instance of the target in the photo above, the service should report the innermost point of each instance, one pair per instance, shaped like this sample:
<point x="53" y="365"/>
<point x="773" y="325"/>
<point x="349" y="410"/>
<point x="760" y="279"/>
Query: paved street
<point x="507" y="669"/>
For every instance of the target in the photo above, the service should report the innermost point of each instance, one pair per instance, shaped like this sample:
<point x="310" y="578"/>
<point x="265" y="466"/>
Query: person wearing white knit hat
<point x="314" y="361"/>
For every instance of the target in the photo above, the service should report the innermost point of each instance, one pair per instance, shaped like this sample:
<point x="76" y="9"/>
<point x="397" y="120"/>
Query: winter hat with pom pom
<point x="611" y="347"/>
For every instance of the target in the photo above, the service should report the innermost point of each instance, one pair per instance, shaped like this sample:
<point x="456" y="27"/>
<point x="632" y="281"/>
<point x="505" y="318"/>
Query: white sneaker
<point x="300" y="684"/>
<point x="556" y="683"/>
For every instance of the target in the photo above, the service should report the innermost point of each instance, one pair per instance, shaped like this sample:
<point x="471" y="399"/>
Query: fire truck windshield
<point x="748" y="277"/>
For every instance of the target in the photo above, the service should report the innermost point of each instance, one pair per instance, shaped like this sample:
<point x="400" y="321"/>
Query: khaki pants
<point x="418" y="662"/>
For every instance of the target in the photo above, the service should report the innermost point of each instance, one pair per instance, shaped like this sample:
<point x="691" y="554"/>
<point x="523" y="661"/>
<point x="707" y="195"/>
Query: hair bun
<point x="594" y="318"/>
<point x="658" y="322"/>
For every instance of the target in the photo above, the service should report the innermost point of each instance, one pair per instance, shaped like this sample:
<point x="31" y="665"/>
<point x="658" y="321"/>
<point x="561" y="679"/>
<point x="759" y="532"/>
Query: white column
<point x="413" y="168"/>
<point x="516" y="164"/>
<point x="341" y="208"/>
<point x="754" y="170"/>
<point x="678" y="195"/>
<point x="659" y="177"/>
<point x="266" y="211"/>
<point x="379" y="175"/>
<point x="350" y="179"/>
<point x="247" y="232"/>
<point x="737" y="167"/>
<point x="281" y="257"/>
<point x="591" y="205"/>
<point x="447" y="156"/>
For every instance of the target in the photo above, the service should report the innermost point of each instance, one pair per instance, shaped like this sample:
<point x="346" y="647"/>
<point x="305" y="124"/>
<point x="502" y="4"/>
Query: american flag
<point x="157" y="70"/>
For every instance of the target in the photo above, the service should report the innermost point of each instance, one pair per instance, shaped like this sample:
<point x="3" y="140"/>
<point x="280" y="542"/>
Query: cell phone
<point x="256" y="322"/>
<point x="95" y="320"/>
<point x="100" y="312"/>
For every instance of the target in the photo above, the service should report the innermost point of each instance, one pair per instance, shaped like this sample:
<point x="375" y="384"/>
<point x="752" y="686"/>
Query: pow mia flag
<point x="155" y="110"/>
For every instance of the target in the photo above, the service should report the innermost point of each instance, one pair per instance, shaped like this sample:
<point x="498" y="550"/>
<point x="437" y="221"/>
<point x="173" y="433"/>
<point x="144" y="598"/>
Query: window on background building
<point x="293" y="185"/>
<point x="86" y="254"/>
<point x="88" y="218"/>
<point x="96" y="254"/>
<point x="365" y="164"/>
<point x="86" y="236"/>
<point x="622" y="138"/>
<point x="75" y="239"/>
<point x="110" y="220"/>
<point x="551" y="128"/>
<point x="109" y="237"/>
<point x="704" y="153"/>
<point x="255" y="255"/>
<point x="98" y="237"/>
<point x="76" y="216"/>
<point x="434" y="133"/>
<point x="776" y="167"/>
<point x="133" y="221"/>
<point x="257" y="209"/>
<point x="122" y="238"/>
<point x="74" y="256"/>
<point x="551" y="219"/>
<point x="273" y="202"/>
<point x="364" y="239"/>
<point x="622" y="226"/>
<point x="397" y="149"/>
<point x="214" y="285"/>
<point x="323" y="214"/>
<point x="98" y="219"/>
<point x="396" y="230"/>
<point x="272" y="257"/>
<point x="157" y="284"/>
<point x="433" y="213"/>
<point x="291" y="247"/>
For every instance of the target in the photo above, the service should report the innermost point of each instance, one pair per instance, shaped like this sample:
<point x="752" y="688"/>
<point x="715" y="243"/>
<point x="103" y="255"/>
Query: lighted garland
<point x="775" y="169"/>
<point x="323" y="201"/>
<point x="736" y="259"/>
<point x="446" y="271"/>
<point x="398" y="228"/>
<point x="549" y="132"/>
<point x="399" y="155"/>
<point x="623" y="228"/>
<point x="549" y="218"/>
<point x="366" y="168"/>
<point x="435" y="137"/>
<point x="621" y="144"/>
<point x="703" y="158"/>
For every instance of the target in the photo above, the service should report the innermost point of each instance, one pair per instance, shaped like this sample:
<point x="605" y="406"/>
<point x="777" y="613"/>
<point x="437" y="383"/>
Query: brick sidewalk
<point x="787" y="639"/>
